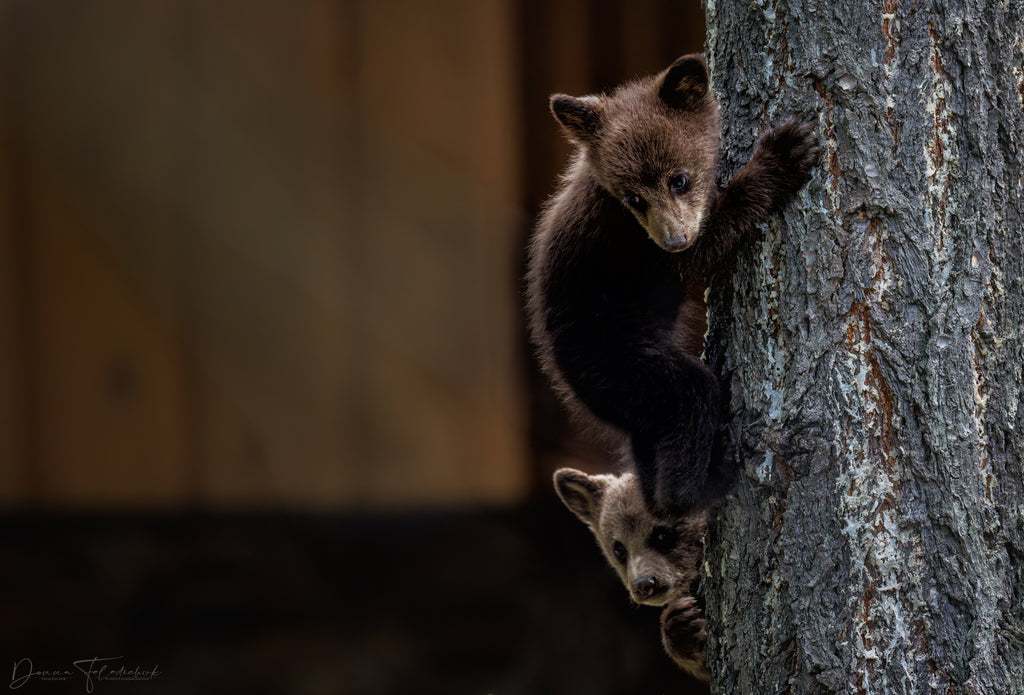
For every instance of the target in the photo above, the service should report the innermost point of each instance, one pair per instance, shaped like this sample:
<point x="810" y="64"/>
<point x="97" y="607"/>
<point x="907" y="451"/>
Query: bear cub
<point x="619" y="321"/>
<point x="658" y="561"/>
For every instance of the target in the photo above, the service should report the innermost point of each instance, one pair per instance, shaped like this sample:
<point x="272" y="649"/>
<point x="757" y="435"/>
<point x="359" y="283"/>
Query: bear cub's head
<point x="657" y="559"/>
<point x="653" y="144"/>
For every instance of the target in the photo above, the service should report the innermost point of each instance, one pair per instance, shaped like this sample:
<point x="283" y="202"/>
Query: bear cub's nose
<point x="676" y="243"/>
<point x="644" y="588"/>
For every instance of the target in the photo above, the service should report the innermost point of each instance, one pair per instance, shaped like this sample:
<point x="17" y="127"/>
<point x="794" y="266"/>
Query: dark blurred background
<point x="268" y="416"/>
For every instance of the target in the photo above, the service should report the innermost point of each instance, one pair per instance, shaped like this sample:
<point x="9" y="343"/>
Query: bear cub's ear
<point x="581" y="493"/>
<point x="580" y="116"/>
<point x="685" y="83"/>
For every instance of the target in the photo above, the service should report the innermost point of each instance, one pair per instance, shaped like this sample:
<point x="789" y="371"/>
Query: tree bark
<point x="874" y="540"/>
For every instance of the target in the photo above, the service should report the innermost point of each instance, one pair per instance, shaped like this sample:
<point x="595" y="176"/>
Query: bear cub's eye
<point x="634" y="201"/>
<point x="619" y="551"/>
<point x="679" y="184"/>
<point x="662" y="539"/>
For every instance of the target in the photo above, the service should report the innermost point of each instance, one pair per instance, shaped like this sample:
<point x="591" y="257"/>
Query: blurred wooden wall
<point x="256" y="252"/>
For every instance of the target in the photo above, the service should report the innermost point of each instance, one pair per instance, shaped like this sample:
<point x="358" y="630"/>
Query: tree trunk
<point x="874" y="540"/>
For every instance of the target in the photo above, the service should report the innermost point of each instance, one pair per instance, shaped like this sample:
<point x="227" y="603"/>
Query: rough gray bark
<point x="874" y="542"/>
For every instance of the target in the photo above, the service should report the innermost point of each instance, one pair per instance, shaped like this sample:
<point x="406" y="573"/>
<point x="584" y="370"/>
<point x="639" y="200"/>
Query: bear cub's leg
<point x="679" y="461"/>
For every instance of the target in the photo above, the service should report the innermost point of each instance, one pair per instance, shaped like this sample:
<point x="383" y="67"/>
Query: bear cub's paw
<point x="790" y="151"/>
<point x="684" y="636"/>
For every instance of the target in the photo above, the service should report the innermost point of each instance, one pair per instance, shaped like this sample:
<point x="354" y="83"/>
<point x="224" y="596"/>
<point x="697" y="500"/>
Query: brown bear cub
<point x="658" y="561"/>
<point x="619" y="321"/>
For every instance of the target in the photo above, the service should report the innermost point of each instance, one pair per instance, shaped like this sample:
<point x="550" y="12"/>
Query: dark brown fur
<point x="619" y="321"/>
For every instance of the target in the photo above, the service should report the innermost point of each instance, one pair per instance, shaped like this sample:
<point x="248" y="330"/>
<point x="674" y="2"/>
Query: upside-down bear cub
<point x="618" y="320"/>
<point x="658" y="560"/>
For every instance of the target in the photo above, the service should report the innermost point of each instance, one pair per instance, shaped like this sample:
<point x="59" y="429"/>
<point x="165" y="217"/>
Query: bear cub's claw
<point x="684" y="636"/>
<point x="792" y="149"/>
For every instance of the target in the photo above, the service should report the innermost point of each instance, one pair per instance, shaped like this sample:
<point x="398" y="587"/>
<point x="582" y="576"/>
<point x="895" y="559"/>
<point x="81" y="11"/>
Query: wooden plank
<point x="440" y="343"/>
<point x="266" y="302"/>
<point x="355" y="342"/>
<point x="109" y="398"/>
<point x="13" y="299"/>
